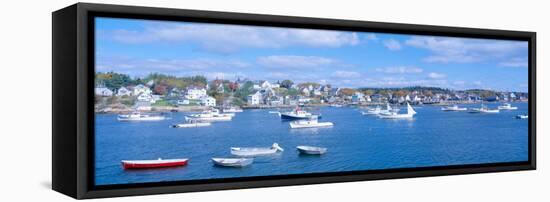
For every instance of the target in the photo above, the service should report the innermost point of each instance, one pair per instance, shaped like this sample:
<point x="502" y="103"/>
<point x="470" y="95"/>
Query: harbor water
<point x="355" y="142"/>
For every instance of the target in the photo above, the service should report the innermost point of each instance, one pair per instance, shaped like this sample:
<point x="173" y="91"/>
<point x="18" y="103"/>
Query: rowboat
<point x="310" y="123"/>
<point x="232" y="162"/>
<point x="256" y="151"/>
<point x="159" y="163"/>
<point x="311" y="150"/>
<point x="137" y="116"/>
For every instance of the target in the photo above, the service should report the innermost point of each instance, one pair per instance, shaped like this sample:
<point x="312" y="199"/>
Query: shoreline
<point x="118" y="109"/>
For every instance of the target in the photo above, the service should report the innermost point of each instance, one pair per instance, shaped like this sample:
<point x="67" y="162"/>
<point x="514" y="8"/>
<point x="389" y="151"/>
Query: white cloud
<point x="461" y="50"/>
<point x="400" y="70"/>
<point x="515" y="62"/>
<point x="294" y="61"/>
<point x="231" y="38"/>
<point x="346" y="74"/>
<point x="371" y="37"/>
<point x="434" y="75"/>
<point x="392" y="44"/>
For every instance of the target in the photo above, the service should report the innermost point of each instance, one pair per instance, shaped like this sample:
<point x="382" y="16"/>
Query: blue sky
<point x="343" y="59"/>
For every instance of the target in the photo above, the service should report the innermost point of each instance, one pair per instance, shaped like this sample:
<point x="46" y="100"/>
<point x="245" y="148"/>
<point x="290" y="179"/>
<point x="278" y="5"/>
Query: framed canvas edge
<point x="85" y="90"/>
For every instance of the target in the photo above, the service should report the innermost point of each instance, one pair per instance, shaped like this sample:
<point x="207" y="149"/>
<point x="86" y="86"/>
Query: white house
<point x="305" y="91"/>
<point x="102" y="91"/>
<point x="196" y="93"/>
<point x="122" y="91"/>
<point x="141" y="89"/>
<point x="254" y="99"/>
<point x="145" y="97"/>
<point x="208" y="101"/>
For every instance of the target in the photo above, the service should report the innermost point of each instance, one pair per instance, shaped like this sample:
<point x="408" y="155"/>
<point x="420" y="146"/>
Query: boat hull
<point x="316" y="125"/>
<point x="191" y="125"/>
<point x="251" y="152"/>
<point x="220" y="118"/>
<point x="311" y="150"/>
<point x="148" y="164"/>
<point x="232" y="162"/>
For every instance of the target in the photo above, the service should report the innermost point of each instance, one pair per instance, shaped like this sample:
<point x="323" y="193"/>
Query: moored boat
<point x="453" y="108"/>
<point x="210" y="115"/>
<point x="232" y="162"/>
<point x="507" y="106"/>
<point x="395" y="115"/>
<point x="311" y="150"/>
<point x="256" y="151"/>
<point x="296" y="114"/>
<point x="232" y="110"/>
<point x="191" y="124"/>
<point x="138" y="116"/>
<point x="310" y="123"/>
<point x="484" y="109"/>
<point x="377" y="110"/>
<point x="522" y="116"/>
<point x="159" y="163"/>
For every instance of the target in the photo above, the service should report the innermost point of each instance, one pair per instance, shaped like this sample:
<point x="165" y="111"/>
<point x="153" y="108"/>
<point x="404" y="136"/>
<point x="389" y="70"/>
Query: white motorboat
<point x="336" y="105"/>
<point x="310" y="123"/>
<point x="233" y="162"/>
<point x="377" y="110"/>
<point x="256" y="151"/>
<point x="192" y="124"/>
<point x="311" y="150"/>
<point x="507" y="106"/>
<point x="137" y="116"/>
<point x="210" y="115"/>
<point x="484" y="109"/>
<point x="522" y="116"/>
<point x="232" y="110"/>
<point x="453" y="108"/>
<point x="395" y="115"/>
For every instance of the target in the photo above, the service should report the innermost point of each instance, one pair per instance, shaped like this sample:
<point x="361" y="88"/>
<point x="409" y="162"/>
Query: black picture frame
<point x="73" y="110"/>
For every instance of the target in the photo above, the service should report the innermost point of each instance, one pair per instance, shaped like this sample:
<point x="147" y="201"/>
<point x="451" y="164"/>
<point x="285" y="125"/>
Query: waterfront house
<point x="195" y="93"/>
<point x="254" y="99"/>
<point x="122" y="91"/>
<point x="358" y="97"/>
<point x="208" y="101"/>
<point x="145" y="97"/>
<point x="141" y="89"/>
<point x="102" y="91"/>
<point x="305" y="91"/>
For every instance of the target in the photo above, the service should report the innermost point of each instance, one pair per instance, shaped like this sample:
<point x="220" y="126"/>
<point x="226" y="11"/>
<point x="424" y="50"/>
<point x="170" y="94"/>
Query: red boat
<point x="160" y="163"/>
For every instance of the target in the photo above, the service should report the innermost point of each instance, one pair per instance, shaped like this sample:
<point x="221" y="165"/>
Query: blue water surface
<point x="355" y="142"/>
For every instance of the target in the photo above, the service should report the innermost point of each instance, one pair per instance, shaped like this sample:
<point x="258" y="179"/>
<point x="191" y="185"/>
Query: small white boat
<point x="233" y="162"/>
<point x="374" y="111"/>
<point x="256" y="151"/>
<point x="159" y="163"/>
<point x="232" y="110"/>
<point x="395" y="115"/>
<point x="192" y="124"/>
<point x="336" y="105"/>
<point x="453" y="108"/>
<point x="137" y="116"/>
<point x="522" y="116"/>
<point x="311" y="150"/>
<point x="484" y="109"/>
<point x="310" y="123"/>
<point x="507" y="106"/>
<point x="210" y="115"/>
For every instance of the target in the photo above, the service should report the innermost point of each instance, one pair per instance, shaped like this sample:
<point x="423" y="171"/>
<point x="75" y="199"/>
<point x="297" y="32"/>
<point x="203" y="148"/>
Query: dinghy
<point x="232" y="162"/>
<point x="311" y="150"/>
<point x="256" y="151"/>
<point x="159" y="163"/>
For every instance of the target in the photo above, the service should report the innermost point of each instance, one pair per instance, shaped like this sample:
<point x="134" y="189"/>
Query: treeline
<point x="159" y="82"/>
